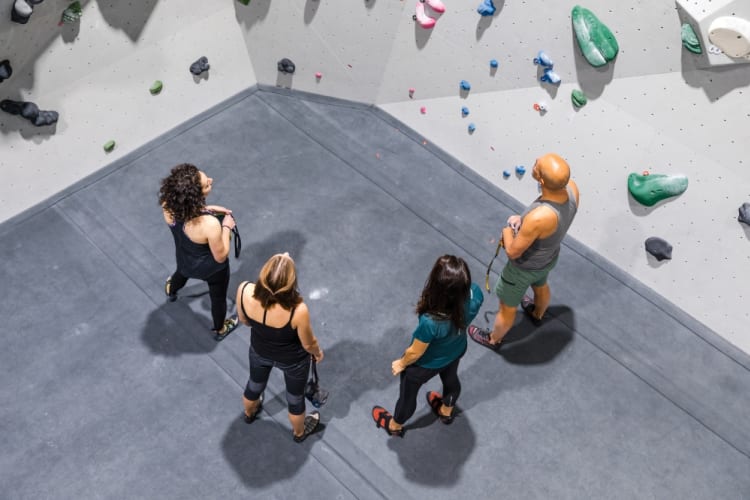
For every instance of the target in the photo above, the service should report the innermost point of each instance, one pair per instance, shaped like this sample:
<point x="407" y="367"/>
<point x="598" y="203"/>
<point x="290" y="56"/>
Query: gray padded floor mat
<point x="113" y="393"/>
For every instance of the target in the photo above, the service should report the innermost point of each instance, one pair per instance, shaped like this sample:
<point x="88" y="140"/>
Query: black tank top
<point x="194" y="260"/>
<point x="277" y="344"/>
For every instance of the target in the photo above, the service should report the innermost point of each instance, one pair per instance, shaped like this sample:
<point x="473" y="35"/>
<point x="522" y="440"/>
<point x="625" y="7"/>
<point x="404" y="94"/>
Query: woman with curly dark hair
<point x="449" y="302"/>
<point x="201" y="240"/>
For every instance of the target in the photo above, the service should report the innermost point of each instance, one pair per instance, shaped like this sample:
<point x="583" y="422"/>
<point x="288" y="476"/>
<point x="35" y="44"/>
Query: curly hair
<point x="277" y="283"/>
<point x="446" y="290"/>
<point x="181" y="193"/>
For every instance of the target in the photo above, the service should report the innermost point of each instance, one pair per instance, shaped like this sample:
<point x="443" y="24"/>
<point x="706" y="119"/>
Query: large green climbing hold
<point x="72" y="13"/>
<point x="597" y="42"/>
<point x="579" y="98"/>
<point x="651" y="189"/>
<point x="156" y="87"/>
<point x="690" y="40"/>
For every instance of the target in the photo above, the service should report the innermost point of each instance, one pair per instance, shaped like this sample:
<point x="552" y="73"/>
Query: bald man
<point x="532" y="242"/>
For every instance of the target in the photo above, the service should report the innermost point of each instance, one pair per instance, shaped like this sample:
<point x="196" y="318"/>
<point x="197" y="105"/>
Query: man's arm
<point x="535" y="223"/>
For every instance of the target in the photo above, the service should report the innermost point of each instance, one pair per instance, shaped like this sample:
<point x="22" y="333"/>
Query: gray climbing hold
<point x="30" y="111"/>
<point x="744" y="216"/>
<point x="286" y="66"/>
<point x="659" y="248"/>
<point x="200" y="66"/>
<point x="5" y="70"/>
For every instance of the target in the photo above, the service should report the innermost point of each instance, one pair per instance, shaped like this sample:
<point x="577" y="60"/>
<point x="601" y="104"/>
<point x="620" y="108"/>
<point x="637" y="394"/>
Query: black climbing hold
<point x="30" y="111"/>
<point x="286" y="66"/>
<point x="659" y="248"/>
<point x="200" y="66"/>
<point x="22" y="10"/>
<point x="744" y="216"/>
<point x="5" y="70"/>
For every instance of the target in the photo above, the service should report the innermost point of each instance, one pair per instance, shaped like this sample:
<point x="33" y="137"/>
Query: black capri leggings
<point x="217" y="290"/>
<point x="414" y="377"/>
<point x="295" y="378"/>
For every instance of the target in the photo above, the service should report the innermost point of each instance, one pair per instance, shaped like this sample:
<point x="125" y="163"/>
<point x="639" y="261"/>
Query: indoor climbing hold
<point x="520" y="169"/>
<point x="464" y="111"/>
<point x="506" y="173"/>
<point x="22" y="10"/>
<point x="690" y="40"/>
<point x="494" y="63"/>
<point x="646" y="172"/>
<point x="244" y="2"/>
<point x="30" y="111"/>
<point x="486" y="8"/>
<point x="550" y="76"/>
<point x="318" y="75"/>
<point x="650" y="189"/>
<point x="200" y="65"/>
<point x="472" y="128"/>
<point x="540" y="106"/>
<point x="109" y="146"/>
<point x="422" y="18"/>
<point x="731" y="34"/>
<point x="411" y="92"/>
<point x="156" y="87"/>
<point x="579" y="98"/>
<point x="5" y="70"/>
<point x="542" y="59"/>
<point x="72" y="13"/>
<point x="659" y="248"/>
<point x="286" y="66"/>
<point x="744" y="215"/>
<point x="436" y="5"/>
<point x="465" y="85"/>
<point x="423" y="110"/>
<point x="596" y="41"/>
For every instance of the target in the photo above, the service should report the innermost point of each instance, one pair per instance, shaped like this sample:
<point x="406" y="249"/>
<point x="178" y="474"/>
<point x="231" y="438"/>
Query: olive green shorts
<point x="514" y="281"/>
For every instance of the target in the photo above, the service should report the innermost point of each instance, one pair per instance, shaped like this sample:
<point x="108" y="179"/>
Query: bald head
<point x="553" y="171"/>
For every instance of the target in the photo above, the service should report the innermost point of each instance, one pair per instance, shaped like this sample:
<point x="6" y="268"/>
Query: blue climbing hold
<point x="506" y="173"/>
<point x="465" y="85"/>
<point x="486" y="8"/>
<point x="550" y="76"/>
<point x="472" y="128"/>
<point x="494" y="63"/>
<point x="520" y="169"/>
<point x="464" y="111"/>
<point x="542" y="59"/>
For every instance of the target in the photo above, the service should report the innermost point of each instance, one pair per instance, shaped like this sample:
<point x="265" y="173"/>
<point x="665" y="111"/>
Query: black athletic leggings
<point x="217" y="290"/>
<point x="414" y="377"/>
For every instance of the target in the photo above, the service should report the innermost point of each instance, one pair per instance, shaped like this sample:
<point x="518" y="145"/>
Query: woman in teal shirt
<point x="449" y="302"/>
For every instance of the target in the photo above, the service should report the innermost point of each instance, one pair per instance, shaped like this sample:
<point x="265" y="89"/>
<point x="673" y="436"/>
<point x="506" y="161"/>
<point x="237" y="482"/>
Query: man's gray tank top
<point x="543" y="251"/>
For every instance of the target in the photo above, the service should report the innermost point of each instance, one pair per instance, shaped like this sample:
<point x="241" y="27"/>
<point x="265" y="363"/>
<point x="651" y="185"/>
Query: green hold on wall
<point x="578" y="98"/>
<point x="244" y="2"/>
<point x="156" y="87"/>
<point x="651" y="189"/>
<point x="597" y="42"/>
<point x="690" y="40"/>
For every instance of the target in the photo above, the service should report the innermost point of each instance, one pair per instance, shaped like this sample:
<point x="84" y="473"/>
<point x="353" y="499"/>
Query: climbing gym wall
<point x="657" y="107"/>
<point x="96" y="72"/>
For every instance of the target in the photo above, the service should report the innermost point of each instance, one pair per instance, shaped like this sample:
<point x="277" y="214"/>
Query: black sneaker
<point x="230" y="324"/>
<point x="171" y="296"/>
<point x="527" y="304"/>
<point x="311" y="424"/>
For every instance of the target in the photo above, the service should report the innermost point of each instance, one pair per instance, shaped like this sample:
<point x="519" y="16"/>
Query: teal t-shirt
<point x="446" y="341"/>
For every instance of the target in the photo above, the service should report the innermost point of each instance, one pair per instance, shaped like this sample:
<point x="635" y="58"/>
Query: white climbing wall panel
<point x="97" y="75"/>
<point x="652" y="109"/>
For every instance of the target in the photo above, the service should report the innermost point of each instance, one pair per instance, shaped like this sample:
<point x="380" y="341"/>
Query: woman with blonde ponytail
<point x="280" y="336"/>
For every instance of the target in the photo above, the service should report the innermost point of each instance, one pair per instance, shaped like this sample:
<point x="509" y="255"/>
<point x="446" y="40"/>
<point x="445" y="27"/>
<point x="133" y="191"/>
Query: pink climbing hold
<point x="318" y="75"/>
<point x="422" y="18"/>
<point x="645" y="172"/>
<point x="423" y="110"/>
<point x="436" y="5"/>
<point x="411" y="92"/>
